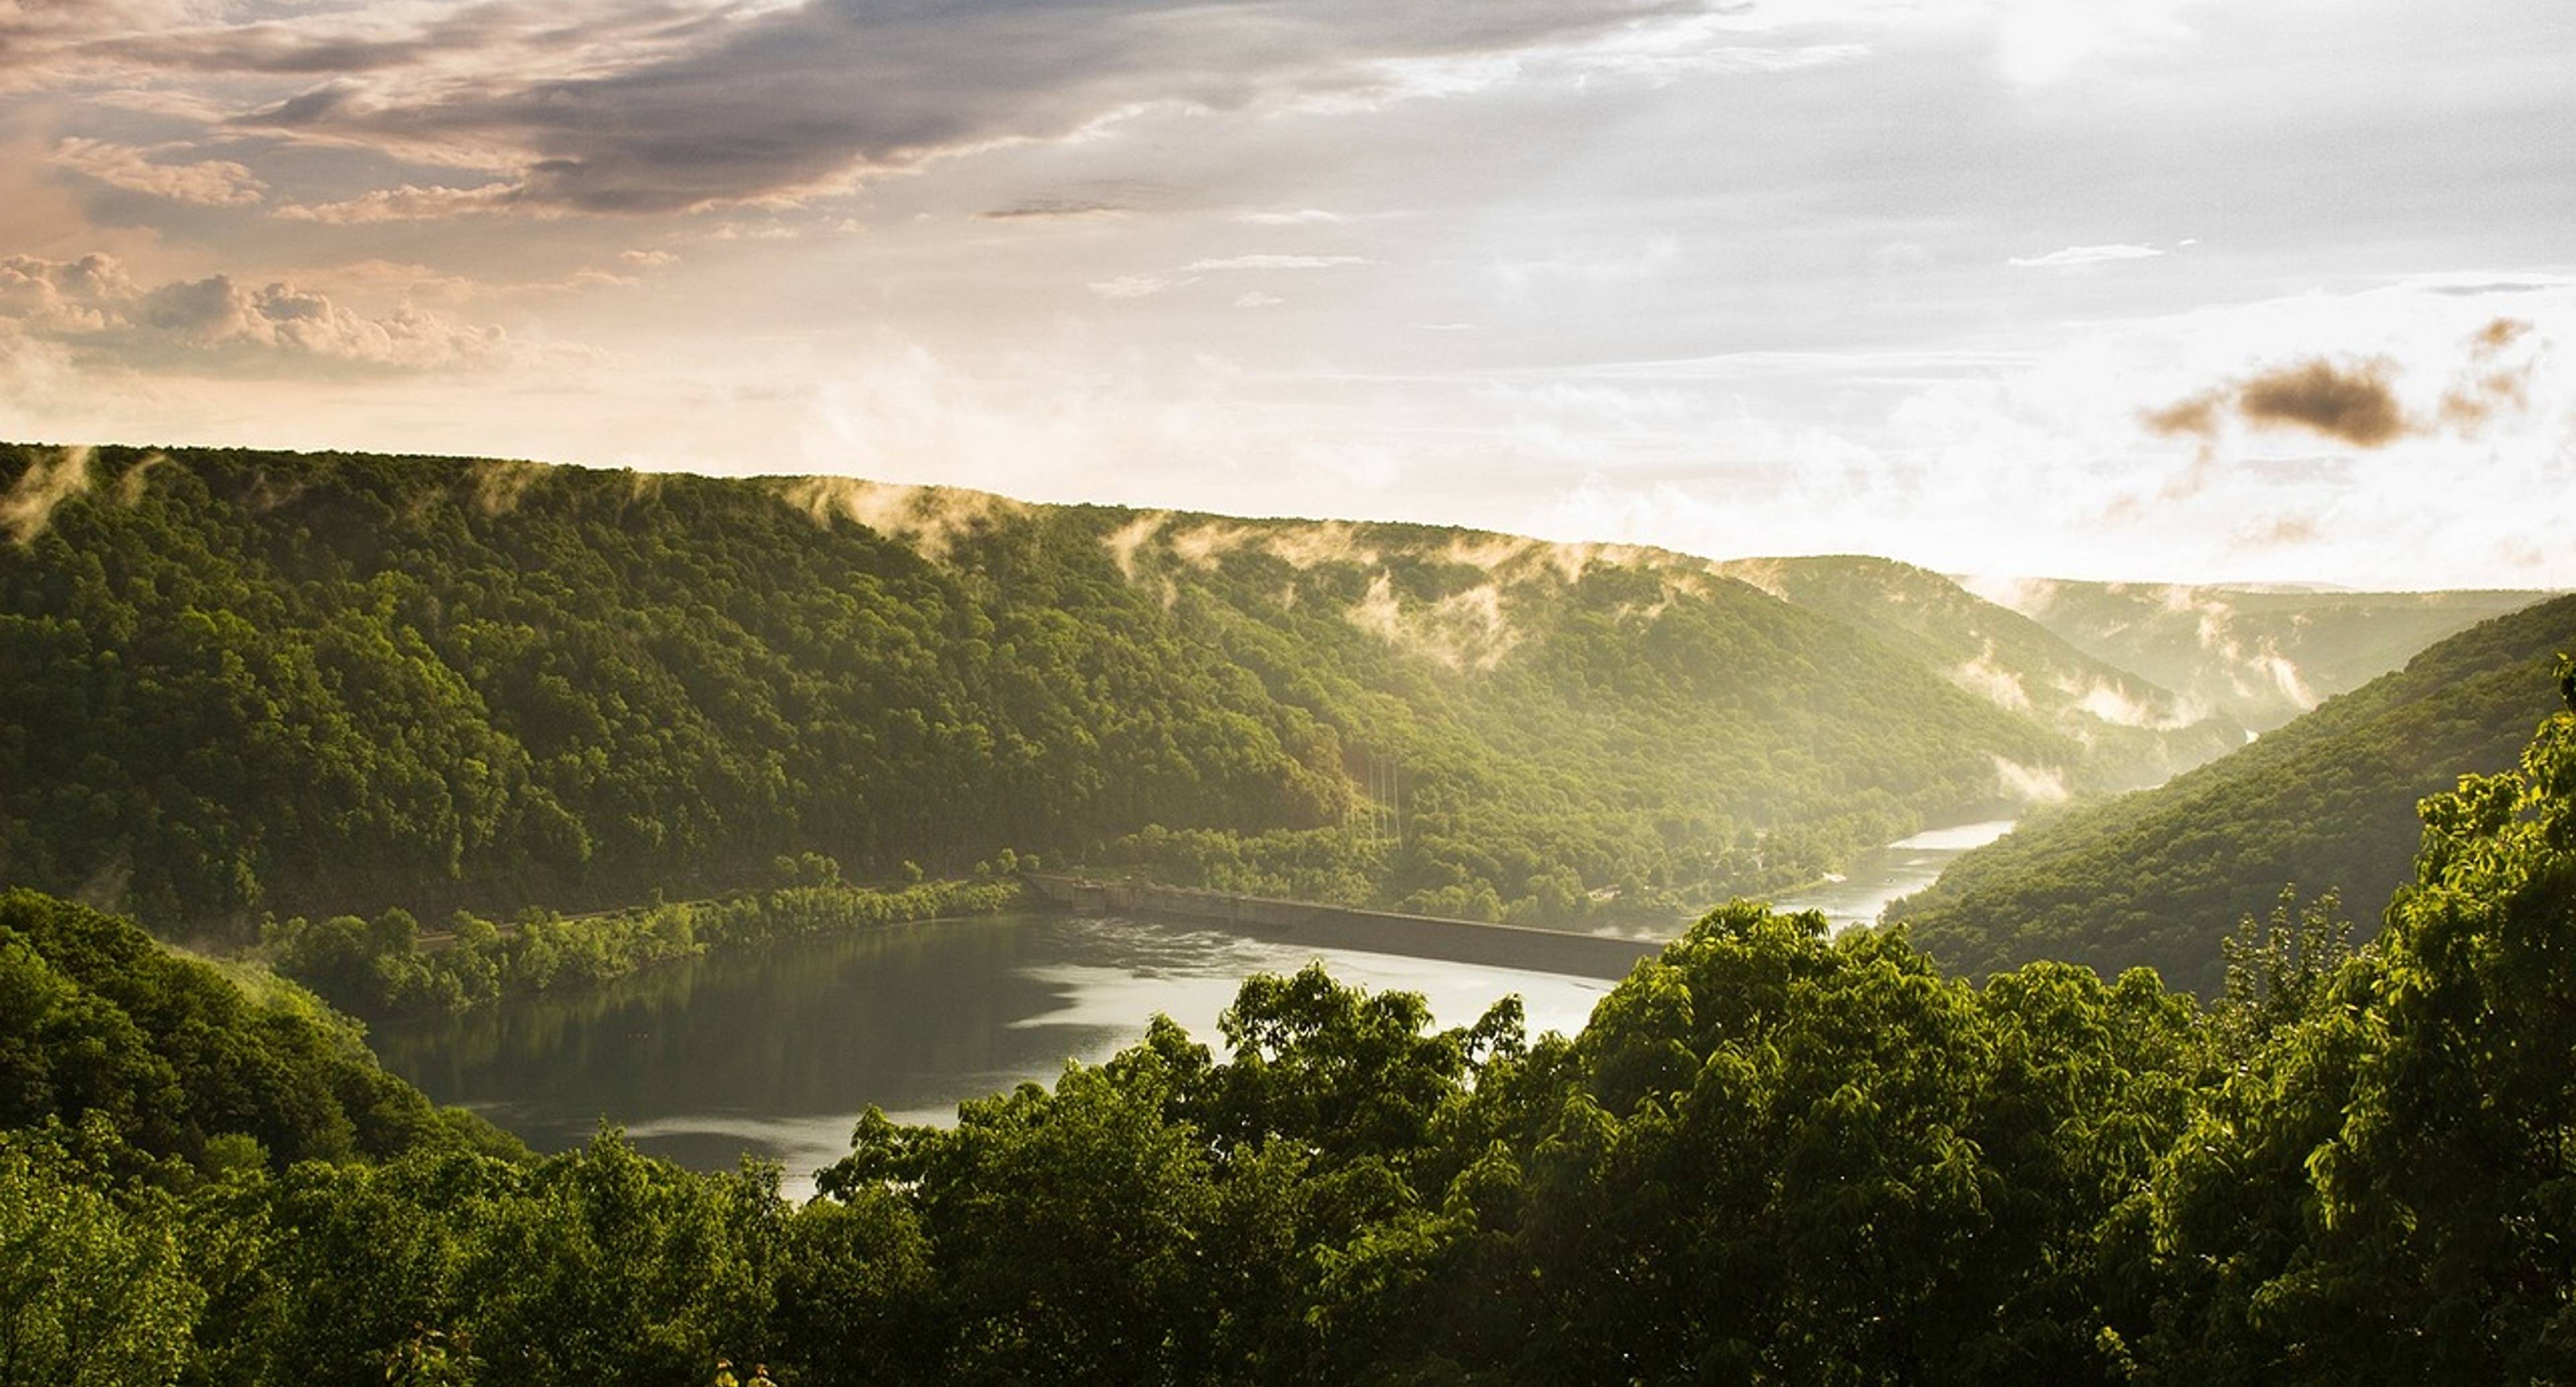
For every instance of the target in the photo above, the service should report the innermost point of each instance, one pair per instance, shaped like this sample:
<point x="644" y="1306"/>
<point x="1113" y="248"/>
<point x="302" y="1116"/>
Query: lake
<point x="774" y="1052"/>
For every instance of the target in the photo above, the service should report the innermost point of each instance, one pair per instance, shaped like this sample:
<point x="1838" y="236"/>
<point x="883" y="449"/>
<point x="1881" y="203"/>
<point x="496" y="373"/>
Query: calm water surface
<point x="1883" y="874"/>
<point x="774" y="1053"/>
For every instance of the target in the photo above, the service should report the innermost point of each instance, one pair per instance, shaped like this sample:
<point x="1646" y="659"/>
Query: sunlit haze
<point x="2265" y="291"/>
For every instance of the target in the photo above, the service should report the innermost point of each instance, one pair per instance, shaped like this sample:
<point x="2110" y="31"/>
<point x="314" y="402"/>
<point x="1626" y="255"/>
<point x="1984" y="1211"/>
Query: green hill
<point x="245" y="683"/>
<point x="2259" y="655"/>
<point x="2009" y="659"/>
<point x="100" y="1023"/>
<point x="1770" y="1156"/>
<point x="2159" y="877"/>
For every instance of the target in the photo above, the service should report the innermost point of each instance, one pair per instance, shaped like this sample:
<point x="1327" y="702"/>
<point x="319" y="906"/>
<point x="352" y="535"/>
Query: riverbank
<point x="388" y="966"/>
<point x="1881" y="876"/>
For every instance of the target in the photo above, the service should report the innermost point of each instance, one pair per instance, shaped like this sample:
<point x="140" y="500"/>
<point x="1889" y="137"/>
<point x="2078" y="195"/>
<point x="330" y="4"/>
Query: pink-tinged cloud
<point x="220" y="322"/>
<point x="407" y="203"/>
<point x="205" y="182"/>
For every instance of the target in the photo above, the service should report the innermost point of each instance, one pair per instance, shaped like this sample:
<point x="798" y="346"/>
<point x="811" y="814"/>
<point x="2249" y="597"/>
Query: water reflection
<point x="775" y="1052"/>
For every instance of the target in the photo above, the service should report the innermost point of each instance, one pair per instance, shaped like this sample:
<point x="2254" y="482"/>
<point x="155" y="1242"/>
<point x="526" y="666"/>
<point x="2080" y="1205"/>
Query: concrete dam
<point x="1342" y="927"/>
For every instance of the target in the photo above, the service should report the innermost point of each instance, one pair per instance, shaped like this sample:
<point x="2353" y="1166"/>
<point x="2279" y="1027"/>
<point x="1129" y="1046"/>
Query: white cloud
<point x="1594" y="265"/>
<point x="1273" y="262"/>
<point x="2043" y="41"/>
<point x="1133" y="286"/>
<point x="1308" y="216"/>
<point x="1257" y="299"/>
<point x="2085" y="255"/>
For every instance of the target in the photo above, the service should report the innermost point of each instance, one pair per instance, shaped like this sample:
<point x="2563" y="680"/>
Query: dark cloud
<point x="2351" y="403"/>
<point x="791" y="99"/>
<point x="2196" y="416"/>
<point x="2490" y="387"/>
<point x="349" y="44"/>
<point x="1044" y="207"/>
<point x="2497" y="335"/>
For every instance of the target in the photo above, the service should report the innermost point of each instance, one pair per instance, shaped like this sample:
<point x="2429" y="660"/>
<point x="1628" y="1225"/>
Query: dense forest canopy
<point x="1770" y="1157"/>
<point x="255" y="683"/>
<point x="2326" y="804"/>
<point x="2145" y="730"/>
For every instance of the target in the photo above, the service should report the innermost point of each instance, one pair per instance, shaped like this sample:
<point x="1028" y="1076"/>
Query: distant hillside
<point x="2259" y="655"/>
<point x="2007" y="658"/>
<point x="248" y="682"/>
<point x="2160" y="876"/>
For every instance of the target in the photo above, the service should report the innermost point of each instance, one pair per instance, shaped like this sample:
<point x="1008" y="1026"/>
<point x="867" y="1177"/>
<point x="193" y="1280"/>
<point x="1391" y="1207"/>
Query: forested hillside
<point x="101" y="1025"/>
<point x="1770" y="1157"/>
<point x="246" y="683"/>
<point x="2143" y="728"/>
<point x="2160" y="877"/>
<point x="2259" y="655"/>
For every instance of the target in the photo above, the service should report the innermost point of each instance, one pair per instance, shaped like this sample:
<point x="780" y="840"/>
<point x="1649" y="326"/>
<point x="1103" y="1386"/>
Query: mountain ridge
<point x="2160" y="876"/>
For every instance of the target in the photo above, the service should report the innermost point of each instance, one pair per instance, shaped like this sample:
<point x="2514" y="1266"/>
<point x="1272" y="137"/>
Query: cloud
<point x="2277" y="532"/>
<point x="1257" y="299"/>
<point x="61" y="296"/>
<point x="407" y="203"/>
<point x="1134" y="286"/>
<point x="794" y="99"/>
<point x="34" y="33"/>
<point x="2356" y="402"/>
<point x="217" y="320"/>
<point x="2043" y="41"/>
<point x="1307" y="216"/>
<point x="1042" y="208"/>
<point x="2347" y="402"/>
<point x="2197" y="415"/>
<point x="131" y="39"/>
<point x="1274" y="262"/>
<point x="2084" y="255"/>
<point x="208" y="183"/>
<point x="2487" y="386"/>
<point x="2498" y="335"/>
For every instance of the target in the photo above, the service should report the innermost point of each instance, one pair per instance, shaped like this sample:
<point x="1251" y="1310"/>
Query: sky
<point x="2272" y="290"/>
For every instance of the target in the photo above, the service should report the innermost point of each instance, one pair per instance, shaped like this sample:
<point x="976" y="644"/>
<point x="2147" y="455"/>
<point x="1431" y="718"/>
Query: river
<point x="1882" y="874"/>
<point x="774" y="1052"/>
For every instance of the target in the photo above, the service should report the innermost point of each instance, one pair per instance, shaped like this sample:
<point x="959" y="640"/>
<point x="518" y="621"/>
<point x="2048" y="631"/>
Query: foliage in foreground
<point x="1769" y="1158"/>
